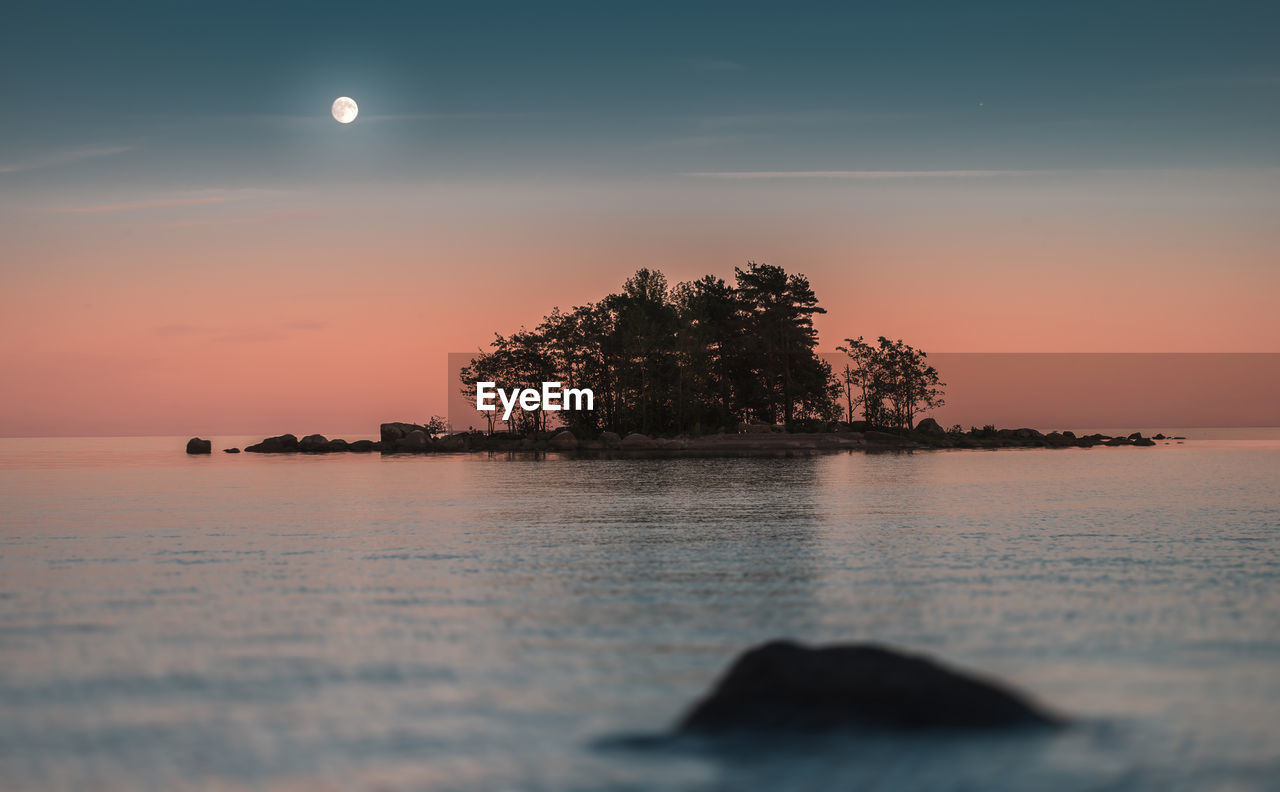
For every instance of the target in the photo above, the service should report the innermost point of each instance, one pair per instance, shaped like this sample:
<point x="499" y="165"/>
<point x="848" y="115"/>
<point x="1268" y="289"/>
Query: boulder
<point x="564" y="441"/>
<point x="930" y="426"/>
<point x="611" y="439"/>
<point x="785" y="687"/>
<point x="1136" y="436"/>
<point x="635" y="440"/>
<point x="876" y="438"/>
<point x="395" y="430"/>
<point x="338" y="444"/>
<point x="197" y="446"/>
<point x="414" y="442"/>
<point x="230" y="450"/>
<point x="275" y="445"/>
<point x="1028" y="434"/>
<point x="314" y="444"/>
<point x="361" y="446"/>
<point x="1144" y="441"/>
<point x="453" y="442"/>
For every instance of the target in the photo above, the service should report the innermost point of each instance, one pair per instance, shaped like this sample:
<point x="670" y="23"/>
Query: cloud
<point x="177" y="330"/>
<point x="799" y="118"/>
<point x="716" y="65"/>
<point x="160" y="203"/>
<point x="65" y="156"/>
<point x="695" y="141"/>
<point x="885" y="175"/>
<point x="170" y="201"/>
<point x="1251" y="80"/>
<point x="244" y="334"/>
<point x="871" y="174"/>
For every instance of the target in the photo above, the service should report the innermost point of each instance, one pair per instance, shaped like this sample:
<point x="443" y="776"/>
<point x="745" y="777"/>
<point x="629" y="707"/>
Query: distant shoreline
<point x="406" y="438"/>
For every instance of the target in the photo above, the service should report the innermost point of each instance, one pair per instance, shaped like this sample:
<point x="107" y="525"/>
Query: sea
<point x="493" y="622"/>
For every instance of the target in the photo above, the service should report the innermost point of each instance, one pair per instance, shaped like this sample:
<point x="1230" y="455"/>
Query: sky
<point x="192" y="244"/>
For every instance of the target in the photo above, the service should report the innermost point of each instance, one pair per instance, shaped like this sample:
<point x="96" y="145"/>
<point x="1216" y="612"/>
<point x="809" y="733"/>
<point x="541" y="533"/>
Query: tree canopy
<point x="693" y="357"/>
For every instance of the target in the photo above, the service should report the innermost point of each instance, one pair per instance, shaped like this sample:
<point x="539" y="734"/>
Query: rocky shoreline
<point x="408" y="438"/>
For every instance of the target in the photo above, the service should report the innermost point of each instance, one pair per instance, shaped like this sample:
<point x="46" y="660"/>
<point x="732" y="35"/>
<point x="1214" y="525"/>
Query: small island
<point x="751" y="439"/>
<point x="704" y="368"/>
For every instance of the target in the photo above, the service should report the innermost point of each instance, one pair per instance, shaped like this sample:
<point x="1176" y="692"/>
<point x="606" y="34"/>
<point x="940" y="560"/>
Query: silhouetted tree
<point x="701" y="355"/>
<point x="779" y="310"/>
<point x="893" y="380"/>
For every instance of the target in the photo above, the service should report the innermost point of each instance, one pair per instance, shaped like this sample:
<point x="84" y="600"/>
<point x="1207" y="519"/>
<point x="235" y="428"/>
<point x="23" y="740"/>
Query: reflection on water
<point x="474" y="622"/>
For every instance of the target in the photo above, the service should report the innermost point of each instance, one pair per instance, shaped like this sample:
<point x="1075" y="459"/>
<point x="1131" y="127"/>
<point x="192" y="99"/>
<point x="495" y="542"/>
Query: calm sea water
<point x="474" y="623"/>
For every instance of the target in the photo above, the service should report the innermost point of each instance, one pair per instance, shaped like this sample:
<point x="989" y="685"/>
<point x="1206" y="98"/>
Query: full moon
<point x="345" y="110"/>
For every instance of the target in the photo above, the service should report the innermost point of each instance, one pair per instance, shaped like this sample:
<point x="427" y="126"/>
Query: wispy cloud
<point x="885" y="175"/>
<point x="51" y="159"/>
<point x="871" y="174"/>
<point x="1246" y="80"/>
<point x="170" y="201"/>
<point x="276" y="331"/>
<point x="716" y="65"/>
<point x="366" y="116"/>
<point x="799" y="118"/>
<point x="159" y="203"/>
<point x="695" y="142"/>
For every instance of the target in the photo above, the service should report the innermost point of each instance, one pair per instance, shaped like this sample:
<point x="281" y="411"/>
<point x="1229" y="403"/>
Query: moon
<point x="345" y="109"/>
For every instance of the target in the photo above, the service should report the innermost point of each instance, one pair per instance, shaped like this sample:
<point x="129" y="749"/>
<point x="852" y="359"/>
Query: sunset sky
<point x="191" y="244"/>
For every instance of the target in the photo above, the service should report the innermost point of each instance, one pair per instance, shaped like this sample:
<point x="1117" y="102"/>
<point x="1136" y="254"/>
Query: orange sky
<point x="333" y="310"/>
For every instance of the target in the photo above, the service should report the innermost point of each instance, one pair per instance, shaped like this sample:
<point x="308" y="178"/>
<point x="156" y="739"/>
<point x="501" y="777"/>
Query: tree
<point x="863" y="373"/>
<point x="660" y="360"/>
<point x="894" y="381"/>
<point x="779" y="310"/>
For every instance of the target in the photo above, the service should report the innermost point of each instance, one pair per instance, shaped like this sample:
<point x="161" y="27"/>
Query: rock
<point x="885" y="439"/>
<point x="1029" y="434"/>
<point x="1159" y="436"/>
<point x="1136" y="436"/>
<point x="414" y="442"/>
<point x="1058" y="440"/>
<point x="930" y="426"/>
<point x="1144" y="441"/>
<point x="230" y="450"/>
<point x="564" y="441"/>
<point x="395" y="430"/>
<point x="611" y="439"/>
<point x="1069" y="434"/>
<point x="785" y="687"/>
<point x="338" y="444"/>
<point x="315" y="443"/>
<point x="635" y="440"/>
<point x="1118" y="441"/>
<point x="361" y="446"/>
<point x="453" y="442"/>
<point x="275" y="445"/>
<point x="197" y="446"/>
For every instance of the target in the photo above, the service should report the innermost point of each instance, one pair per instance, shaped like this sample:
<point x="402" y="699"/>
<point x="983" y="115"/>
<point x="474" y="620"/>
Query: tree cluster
<point x="889" y="382"/>
<point x="699" y="356"/>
